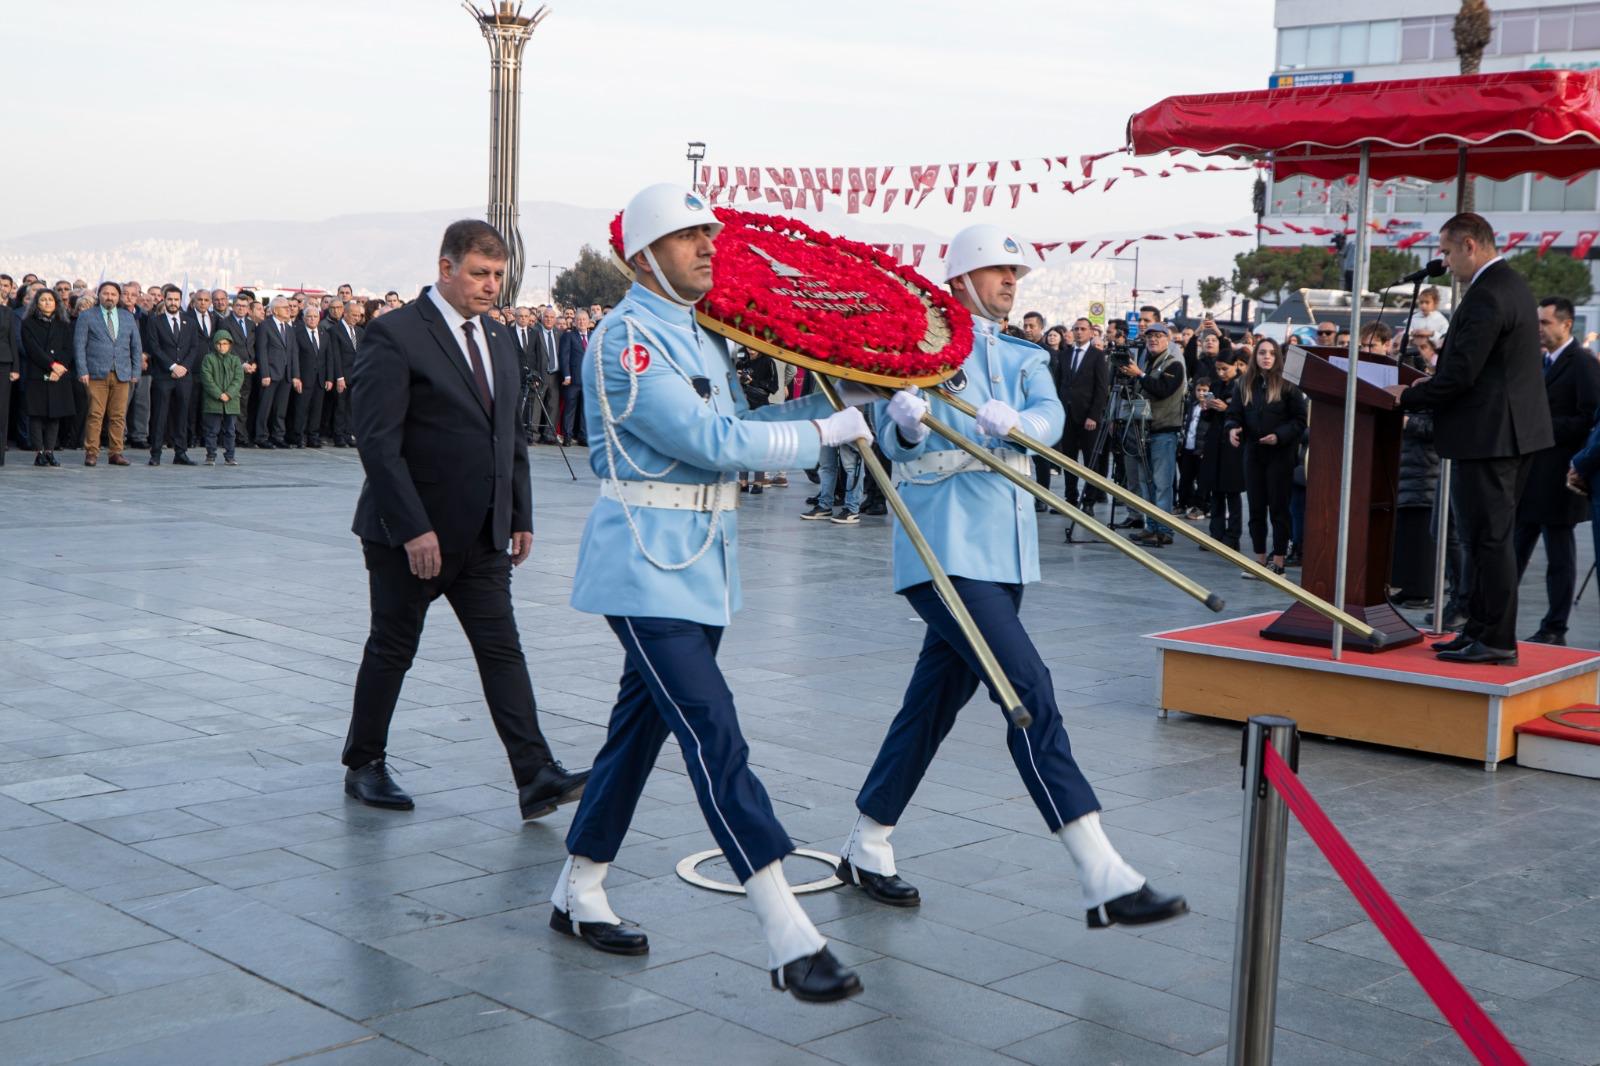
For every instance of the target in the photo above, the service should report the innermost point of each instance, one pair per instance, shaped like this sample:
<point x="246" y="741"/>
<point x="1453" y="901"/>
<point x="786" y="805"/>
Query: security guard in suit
<point x="670" y="429"/>
<point x="983" y="530"/>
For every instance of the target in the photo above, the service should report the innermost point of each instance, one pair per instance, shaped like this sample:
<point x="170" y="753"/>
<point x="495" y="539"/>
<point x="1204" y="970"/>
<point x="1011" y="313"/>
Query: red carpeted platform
<point x="1405" y="698"/>
<point x="1565" y="741"/>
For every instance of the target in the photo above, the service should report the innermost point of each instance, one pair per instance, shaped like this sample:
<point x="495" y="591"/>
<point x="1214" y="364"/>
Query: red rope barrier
<point x="1482" y="1037"/>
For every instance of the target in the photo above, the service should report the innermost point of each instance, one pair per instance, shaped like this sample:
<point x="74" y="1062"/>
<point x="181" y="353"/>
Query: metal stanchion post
<point x="1260" y="917"/>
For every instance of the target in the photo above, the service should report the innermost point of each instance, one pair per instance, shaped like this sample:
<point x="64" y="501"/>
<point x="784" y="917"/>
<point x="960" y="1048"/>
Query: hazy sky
<point x="301" y="109"/>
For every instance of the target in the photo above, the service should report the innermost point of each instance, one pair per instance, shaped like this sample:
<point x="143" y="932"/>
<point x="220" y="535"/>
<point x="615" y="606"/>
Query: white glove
<point x="996" y="419"/>
<point x="843" y="427"/>
<point x="907" y="408"/>
<point x="854" y="394"/>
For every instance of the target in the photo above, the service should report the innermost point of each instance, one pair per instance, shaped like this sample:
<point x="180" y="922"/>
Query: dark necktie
<point x="1077" y="358"/>
<point x="477" y="368"/>
<point x="549" y="352"/>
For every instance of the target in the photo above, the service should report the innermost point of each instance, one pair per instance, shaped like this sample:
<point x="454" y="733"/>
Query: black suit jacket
<point x="312" y="358"/>
<point x="277" y="355"/>
<point x="1572" y="386"/>
<point x="212" y="320"/>
<point x="570" y="360"/>
<point x="1487" y="396"/>
<point x="8" y="346"/>
<point x="1083" y="394"/>
<point x="166" y="347"/>
<point x="434" y="457"/>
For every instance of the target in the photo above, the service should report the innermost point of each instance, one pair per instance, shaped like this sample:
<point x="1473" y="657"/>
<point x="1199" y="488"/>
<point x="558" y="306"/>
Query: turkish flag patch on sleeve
<point x="636" y="359"/>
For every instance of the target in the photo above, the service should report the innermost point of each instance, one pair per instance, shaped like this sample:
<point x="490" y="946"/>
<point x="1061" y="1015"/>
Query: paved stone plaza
<point x="183" y="881"/>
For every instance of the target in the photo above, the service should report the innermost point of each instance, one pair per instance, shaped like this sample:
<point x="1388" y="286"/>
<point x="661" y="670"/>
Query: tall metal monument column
<point x="507" y="30"/>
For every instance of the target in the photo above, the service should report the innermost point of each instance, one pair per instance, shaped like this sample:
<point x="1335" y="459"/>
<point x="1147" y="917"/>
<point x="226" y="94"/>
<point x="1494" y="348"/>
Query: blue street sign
<point x="1315" y="77"/>
<point x="1132" y="319"/>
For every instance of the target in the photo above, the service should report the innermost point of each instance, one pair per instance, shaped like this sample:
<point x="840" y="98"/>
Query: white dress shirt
<point x="453" y="320"/>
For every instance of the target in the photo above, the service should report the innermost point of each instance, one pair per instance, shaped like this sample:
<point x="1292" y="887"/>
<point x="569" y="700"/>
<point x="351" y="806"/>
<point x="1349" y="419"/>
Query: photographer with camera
<point x="1155" y="420"/>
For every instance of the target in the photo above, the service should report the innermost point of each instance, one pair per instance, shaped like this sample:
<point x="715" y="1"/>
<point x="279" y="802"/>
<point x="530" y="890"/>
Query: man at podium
<point x="1489" y="416"/>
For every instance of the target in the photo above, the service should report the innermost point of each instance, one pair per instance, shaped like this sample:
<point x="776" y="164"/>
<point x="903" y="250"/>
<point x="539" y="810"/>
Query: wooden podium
<point x="1375" y="475"/>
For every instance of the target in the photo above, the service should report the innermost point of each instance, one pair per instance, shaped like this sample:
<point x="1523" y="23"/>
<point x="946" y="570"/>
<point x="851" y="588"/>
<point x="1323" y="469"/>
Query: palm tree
<point x="1473" y="31"/>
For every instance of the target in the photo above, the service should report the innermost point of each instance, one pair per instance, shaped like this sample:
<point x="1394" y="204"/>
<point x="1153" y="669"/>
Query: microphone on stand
<point x="1434" y="269"/>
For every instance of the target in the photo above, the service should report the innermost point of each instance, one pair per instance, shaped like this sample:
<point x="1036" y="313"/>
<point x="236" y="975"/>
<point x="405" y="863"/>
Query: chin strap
<point x="661" y="279"/>
<point x="972" y="295"/>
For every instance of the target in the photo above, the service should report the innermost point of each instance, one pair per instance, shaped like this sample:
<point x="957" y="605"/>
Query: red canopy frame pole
<point x="1347" y="458"/>
<point x="1441" y="547"/>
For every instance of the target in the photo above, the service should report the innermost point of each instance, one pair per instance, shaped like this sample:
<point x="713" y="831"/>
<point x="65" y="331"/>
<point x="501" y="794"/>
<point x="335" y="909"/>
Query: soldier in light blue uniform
<point x="669" y="430"/>
<point x="983" y="530"/>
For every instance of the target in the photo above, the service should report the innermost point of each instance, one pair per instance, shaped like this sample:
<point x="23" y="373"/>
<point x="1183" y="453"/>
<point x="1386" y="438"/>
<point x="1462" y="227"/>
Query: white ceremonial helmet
<point x="983" y="245"/>
<point x="656" y="211"/>
<point x="659" y="210"/>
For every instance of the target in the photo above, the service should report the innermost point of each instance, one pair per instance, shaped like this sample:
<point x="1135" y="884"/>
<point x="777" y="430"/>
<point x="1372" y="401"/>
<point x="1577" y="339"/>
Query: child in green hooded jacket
<point x="221" y="378"/>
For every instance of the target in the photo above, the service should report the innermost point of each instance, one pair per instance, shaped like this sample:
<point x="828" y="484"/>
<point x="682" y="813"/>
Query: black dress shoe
<point x="891" y="890"/>
<point x="1547" y="636"/>
<point x="611" y="939"/>
<point x="816" y="979"/>
<point x="1478" y="652"/>
<point x="154" y="460"/>
<point x="1137" y="908"/>
<point x="551" y="787"/>
<point x="1455" y="643"/>
<point x="372" y="785"/>
<point x="182" y="460"/>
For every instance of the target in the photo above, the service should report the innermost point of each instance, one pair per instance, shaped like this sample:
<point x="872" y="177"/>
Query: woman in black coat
<point x="1222" y="466"/>
<point x="47" y="356"/>
<point x="1267" y="417"/>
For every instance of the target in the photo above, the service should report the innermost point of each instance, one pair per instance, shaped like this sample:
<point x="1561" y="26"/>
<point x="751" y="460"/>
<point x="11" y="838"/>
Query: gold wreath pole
<point x="1105" y="533"/>
<point x="941" y="581"/>
<point x="1143" y="506"/>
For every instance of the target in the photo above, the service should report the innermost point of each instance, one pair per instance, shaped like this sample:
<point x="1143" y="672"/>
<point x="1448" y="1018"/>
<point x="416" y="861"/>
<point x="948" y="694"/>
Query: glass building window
<point x="1292" y="48"/>
<point x="1444" y="39"/>
<point x="1517" y="34"/>
<point x="1555" y="29"/>
<point x="1383" y="42"/>
<point x="1322" y="46"/>
<point x="1499" y="195"/>
<point x="1553" y="194"/>
<point x="1353" y="44"/>
<point x="1586" y="28"/>
<point x="1416" y="40"/>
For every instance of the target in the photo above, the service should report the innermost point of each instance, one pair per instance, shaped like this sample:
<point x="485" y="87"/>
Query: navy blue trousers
<point x="672" y="684"/>
<point x="946" y="676"/>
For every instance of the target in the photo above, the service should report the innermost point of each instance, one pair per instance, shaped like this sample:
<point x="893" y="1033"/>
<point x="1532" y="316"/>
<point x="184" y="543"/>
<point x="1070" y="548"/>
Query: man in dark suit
<point x="544" y="348"/>
<point x="171" y="341"/>
<point x="1083" y="383"/>
<point x="343" y="326"/>
<point x="205" y="322"/>
<point x="277" y="372"/>
<point x="243" y="332"/>
<point x="1490" y="416"/>
<point x="312" y="346"/>
<point x="1547" y="509"/>
<point x="574" y="343"/>
<point x="447" y="488"/>
<point x="8" y="374"/>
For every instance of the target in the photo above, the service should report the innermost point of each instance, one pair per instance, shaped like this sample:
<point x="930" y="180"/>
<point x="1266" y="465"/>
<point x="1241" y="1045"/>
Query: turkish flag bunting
<point x="816" y="195"/>
<point x="855" y="178"/>
<point x="1190" y="167"/>
<point x="853" y="202"/>
<point x="1407" y="242"/>
<point x="1041" y="247"/>
<point x="994" y="168"/>
<point x="950" y="195"/>
<point x="971" y="169"/>
<point x="716" y="191"/>
<point x="872" y="194"/>
<point x="916" y="254"/>
<point x="916" y="175"/>
<point x="772" y="195"/>
<point x="1046" y="164"/>
<point x="955" y="173"/>
<point x="889" y="197"/>
<point x="1109" y="182"/>
<point x="969" y="197"/>
<point x="1152" y="237"/>
<point x="1016" y="194"/>
<point x="897" y="250"/>
<point x="883" y="179"/>
<point x="788" y="176"/>
<point x="1086" y="162"/>
<point x="1165" y="174"/>
<point x="1073" y="246"/>
<point x="1238" y="233"/>
<point x="1205" y="234"/>
<point x="805" y="177"/>
<point x="921" y="196"/>
<point x="738" y="176"/>
<point x="722" y="175"/>
<point x="1512" y="240"/>
<point x="774" y="176"/>
<point x="942" y="249"/>
<point x="1033" y="186"/>
<point x="1586" y="237"/>
<point x="1180" y="236"/>
<point x="1321" y="231"/>
<point x="1292" y="228"/>
<point x="1016" y="164"/>
<point x="1100" y="249"/>
<point x="1135" y="171"/>
<point x="988" y="195"/>
<point x="788" y="198"/>
<point x="1546" y="239"/>
<point x="838" y="179"/>
<point x="1124" y="245"/>
<point x="1263" y="227"/>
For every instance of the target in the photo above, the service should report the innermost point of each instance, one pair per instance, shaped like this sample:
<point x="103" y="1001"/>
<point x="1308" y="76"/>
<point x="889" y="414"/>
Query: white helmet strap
<point x="661" y="279"/>
<point x="977" y="301"/>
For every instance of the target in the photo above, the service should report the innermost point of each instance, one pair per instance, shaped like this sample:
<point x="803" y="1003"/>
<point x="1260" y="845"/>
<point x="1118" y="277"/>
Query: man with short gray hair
<point x="277" y="371"/>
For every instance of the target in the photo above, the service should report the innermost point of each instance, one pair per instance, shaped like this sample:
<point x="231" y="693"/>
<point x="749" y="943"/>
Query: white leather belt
<point x="955" y="461"/>
<point x="674" y="497"/>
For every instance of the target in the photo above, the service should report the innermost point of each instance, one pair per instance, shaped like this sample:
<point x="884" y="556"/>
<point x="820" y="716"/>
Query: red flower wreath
<point x="829" y="298"/>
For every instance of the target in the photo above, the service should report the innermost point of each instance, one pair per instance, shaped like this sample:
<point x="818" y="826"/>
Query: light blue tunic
<point x="979" y="524"/>
<point x="653" y="425"/>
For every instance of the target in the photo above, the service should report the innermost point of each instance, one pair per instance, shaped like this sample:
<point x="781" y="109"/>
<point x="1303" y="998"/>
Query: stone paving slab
<point x="182" y="879"/>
